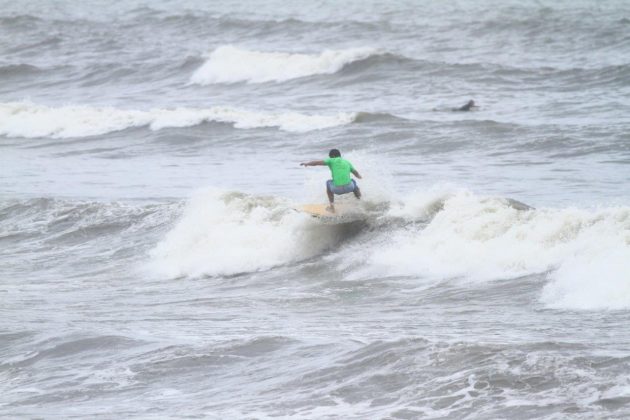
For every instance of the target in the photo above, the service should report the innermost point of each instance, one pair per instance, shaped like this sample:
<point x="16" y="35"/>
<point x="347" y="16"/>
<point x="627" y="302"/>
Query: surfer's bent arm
<point x="355" y="173"/>
<point x="313" y="163"/>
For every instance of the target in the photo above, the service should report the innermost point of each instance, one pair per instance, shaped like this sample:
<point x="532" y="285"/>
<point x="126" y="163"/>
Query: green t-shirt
<point x="340" y="169"/>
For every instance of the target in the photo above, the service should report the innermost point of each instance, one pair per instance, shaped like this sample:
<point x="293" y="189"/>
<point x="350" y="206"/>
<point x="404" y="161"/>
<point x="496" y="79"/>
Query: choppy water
<point x="152" y="265"/>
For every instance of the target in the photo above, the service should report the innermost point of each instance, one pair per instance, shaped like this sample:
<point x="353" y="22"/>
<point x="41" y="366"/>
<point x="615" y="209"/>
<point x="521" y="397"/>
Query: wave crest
<point x="227" y="233"/>
<point x="27" y="120"/>
<point x="584" y="253"/>
<point x="229" y="64"/>
<point x="13" y="70"/>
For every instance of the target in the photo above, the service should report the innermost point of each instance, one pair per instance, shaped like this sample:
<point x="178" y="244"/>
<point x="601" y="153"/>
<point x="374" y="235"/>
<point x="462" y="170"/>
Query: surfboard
<point x="343" y="212"/>
<point x="318" y="210"/>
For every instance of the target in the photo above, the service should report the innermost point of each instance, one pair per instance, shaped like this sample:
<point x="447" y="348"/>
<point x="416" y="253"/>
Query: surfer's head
<point x="334" y="153"/>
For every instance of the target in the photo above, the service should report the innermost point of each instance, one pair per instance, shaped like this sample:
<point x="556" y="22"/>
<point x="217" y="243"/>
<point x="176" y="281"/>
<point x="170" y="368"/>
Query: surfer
<point x="341" y="182"/>
<point x="470" y="104"/>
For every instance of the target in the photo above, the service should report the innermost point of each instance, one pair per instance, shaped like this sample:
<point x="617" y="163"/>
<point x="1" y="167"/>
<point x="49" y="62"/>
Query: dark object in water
<point x="470" y="104"/>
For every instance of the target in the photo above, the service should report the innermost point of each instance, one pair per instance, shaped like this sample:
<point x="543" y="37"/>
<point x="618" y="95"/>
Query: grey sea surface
<point x="153" y="263"/>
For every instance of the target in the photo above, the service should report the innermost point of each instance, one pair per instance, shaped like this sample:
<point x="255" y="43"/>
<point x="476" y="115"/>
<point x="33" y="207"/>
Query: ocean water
<point x="152" y="262"/>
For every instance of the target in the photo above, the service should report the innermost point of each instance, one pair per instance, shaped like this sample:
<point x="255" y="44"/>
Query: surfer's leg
<point x="331" y="199"/>
<point x="356" y="191"/>
<point x="331" y="196"/>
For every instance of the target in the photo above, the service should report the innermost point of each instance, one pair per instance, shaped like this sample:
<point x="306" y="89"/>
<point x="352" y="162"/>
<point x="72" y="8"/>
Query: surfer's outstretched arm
<point x="355" y="173"/>
<point x="313" y="163"/>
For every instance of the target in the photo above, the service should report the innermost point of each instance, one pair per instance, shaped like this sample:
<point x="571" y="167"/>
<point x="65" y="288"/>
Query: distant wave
<point x="199" y="20"/>
<point x="12" y="70"/>
<point x="251" y="25"/>
<point x="24" y="119"/>
<point x="386" y="59"/>
<point x="367" y="117"/>
<point x="608" y="76"/>
<point x="229" y="64"/>
<point x="18" y="20"/>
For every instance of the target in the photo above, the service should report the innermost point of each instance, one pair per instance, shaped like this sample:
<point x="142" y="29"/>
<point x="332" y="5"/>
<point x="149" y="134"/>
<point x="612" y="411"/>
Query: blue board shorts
<point x="341" y="189"/>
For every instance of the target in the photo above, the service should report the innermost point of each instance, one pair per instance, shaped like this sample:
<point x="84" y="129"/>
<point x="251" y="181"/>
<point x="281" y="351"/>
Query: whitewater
<point x="154" y="263"/>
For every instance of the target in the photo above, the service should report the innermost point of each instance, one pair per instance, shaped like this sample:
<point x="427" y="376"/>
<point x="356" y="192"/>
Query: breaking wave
<point x="585" y="253"/>
<point x="229" y="64"/>
<point x="28" y="120"/>
<point x="226" y="233"/>
<point x="435" y="236"/>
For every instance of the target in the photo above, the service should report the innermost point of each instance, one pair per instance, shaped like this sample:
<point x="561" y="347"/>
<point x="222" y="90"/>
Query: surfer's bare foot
<point x="331" y="208"/>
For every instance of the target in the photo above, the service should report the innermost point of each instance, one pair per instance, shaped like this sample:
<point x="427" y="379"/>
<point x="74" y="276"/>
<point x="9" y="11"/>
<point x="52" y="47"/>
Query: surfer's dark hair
<point x="334" y="153"/>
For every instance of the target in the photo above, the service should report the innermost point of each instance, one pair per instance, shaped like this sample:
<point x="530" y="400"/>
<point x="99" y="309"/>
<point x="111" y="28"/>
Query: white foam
<point x="229" y="64"/>
<point x="28" y="120"/>
<point x="423" y="204"/>
<point x="223" y="233"/>
<point x="455" y="234"/>
<point x="585" y="252"/>
<point x="592" y="282"/>
<point x="25" y="119"/>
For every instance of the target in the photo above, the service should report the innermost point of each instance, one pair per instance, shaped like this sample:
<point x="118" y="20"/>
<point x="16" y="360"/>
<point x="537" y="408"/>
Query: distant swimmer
<point x="470" y="104"/>
<point x="341" y="182"/>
